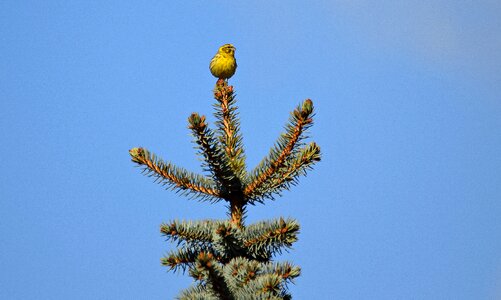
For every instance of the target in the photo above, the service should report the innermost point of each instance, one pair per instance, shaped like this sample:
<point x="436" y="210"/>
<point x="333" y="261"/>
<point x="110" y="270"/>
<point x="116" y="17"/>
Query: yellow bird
<point x="223" y="65"/>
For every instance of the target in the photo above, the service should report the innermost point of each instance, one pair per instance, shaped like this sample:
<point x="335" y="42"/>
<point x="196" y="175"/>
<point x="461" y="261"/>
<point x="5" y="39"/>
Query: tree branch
<point x="229" y="127"/>
<point x="288" y="143"/>
<point x="175" y="177"/>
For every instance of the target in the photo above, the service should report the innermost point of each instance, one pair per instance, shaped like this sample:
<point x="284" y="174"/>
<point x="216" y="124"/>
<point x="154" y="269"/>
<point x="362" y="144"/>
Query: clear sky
<point x="406" y="203"/>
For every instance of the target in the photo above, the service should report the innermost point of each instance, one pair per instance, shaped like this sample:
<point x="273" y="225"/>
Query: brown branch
<point x="310" y="155"/>
<point x="277" y="233"/>
<point x="139" y="156"/>
<point x="237" y="212"/>
<point x="279" y="162"/>
<point x="213" y="156"/>
<point x="228" y="124"/>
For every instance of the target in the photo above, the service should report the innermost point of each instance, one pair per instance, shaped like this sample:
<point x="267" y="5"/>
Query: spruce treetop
<point x="227" y="258"/>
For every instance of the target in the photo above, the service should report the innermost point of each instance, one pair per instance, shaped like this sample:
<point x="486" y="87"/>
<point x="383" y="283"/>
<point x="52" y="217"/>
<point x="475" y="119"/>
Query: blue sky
<point x="405" y="204"/>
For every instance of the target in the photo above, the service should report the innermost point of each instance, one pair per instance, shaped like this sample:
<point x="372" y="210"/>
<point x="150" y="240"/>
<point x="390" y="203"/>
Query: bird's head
<point x="227" y="49"/>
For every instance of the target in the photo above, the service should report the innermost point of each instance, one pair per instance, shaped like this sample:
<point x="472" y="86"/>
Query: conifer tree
<point x="229" y="259"/>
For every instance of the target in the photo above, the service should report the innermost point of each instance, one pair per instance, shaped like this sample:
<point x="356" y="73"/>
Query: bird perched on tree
<point x="223" y="65"/>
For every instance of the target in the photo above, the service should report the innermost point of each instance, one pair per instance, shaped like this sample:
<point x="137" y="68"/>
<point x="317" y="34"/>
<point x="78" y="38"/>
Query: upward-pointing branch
<point x="231" y="141"/>
<point x="215" y="160"/>
<point x="287" y="146"/>
<point x="229" y="127"/>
